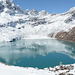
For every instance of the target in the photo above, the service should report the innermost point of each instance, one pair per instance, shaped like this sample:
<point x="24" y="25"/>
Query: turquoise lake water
<point x="39" y="53"/>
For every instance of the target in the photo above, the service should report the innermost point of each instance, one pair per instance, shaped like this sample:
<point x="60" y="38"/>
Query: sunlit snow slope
<point x="16" y="24"/>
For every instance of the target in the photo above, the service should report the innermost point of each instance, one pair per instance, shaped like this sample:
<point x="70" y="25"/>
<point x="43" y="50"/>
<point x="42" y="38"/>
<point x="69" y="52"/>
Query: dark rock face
<point x="1" y="7"/>
<point x="70" y="19"/>
<point x="15" y="39"/>
<point x="73" y="15"/>
<point x="67" y="36"/>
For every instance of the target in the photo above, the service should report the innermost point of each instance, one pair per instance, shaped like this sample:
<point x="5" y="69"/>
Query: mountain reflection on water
<point x="24" y="50"/>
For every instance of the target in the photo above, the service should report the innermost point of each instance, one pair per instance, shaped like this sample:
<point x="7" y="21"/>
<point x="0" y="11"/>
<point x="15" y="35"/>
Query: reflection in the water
<point x="70" y="47"/>
<point x="20" y="51"/>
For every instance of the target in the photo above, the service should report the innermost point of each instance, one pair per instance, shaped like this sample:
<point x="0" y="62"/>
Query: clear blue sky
<point x="52" y="6"/>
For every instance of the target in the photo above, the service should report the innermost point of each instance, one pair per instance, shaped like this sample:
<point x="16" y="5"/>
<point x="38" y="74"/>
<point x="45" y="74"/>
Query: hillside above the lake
<point x="17" y="24"/>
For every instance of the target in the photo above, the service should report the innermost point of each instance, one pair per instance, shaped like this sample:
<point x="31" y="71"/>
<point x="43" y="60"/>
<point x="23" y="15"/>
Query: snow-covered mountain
<point x="17" y="24"/>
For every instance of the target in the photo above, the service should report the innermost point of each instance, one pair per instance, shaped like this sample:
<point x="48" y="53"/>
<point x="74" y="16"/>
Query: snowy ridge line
<point x="16" y="23"/>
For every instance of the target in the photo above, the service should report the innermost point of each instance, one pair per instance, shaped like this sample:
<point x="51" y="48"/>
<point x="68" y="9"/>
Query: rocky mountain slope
<point x="16" y="24"/>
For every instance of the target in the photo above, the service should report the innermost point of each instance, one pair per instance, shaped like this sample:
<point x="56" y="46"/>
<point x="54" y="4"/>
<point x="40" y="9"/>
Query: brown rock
<point x="62" y="73"/>
<point x="51" y="35"/>
<point x="69" y="74"/>
<point x="67" y="36"/>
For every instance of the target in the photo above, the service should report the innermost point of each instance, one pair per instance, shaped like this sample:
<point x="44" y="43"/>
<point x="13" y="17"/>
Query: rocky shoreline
<point x="57" y="70"/>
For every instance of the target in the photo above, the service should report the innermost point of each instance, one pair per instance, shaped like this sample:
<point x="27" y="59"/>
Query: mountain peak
<point x="7" y="0"/>
<point x="8" y="6"/>
<point x="34" y="12"/>
<point x="43" y="13"/>
<point x="72" y="10"/>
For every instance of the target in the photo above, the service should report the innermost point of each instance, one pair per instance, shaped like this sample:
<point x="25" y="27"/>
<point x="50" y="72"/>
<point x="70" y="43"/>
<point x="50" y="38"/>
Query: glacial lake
<point x="40" y="53"/>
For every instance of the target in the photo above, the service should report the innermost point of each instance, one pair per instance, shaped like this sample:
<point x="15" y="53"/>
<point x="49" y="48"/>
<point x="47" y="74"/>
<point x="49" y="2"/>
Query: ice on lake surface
<point x="39" y="53"/>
